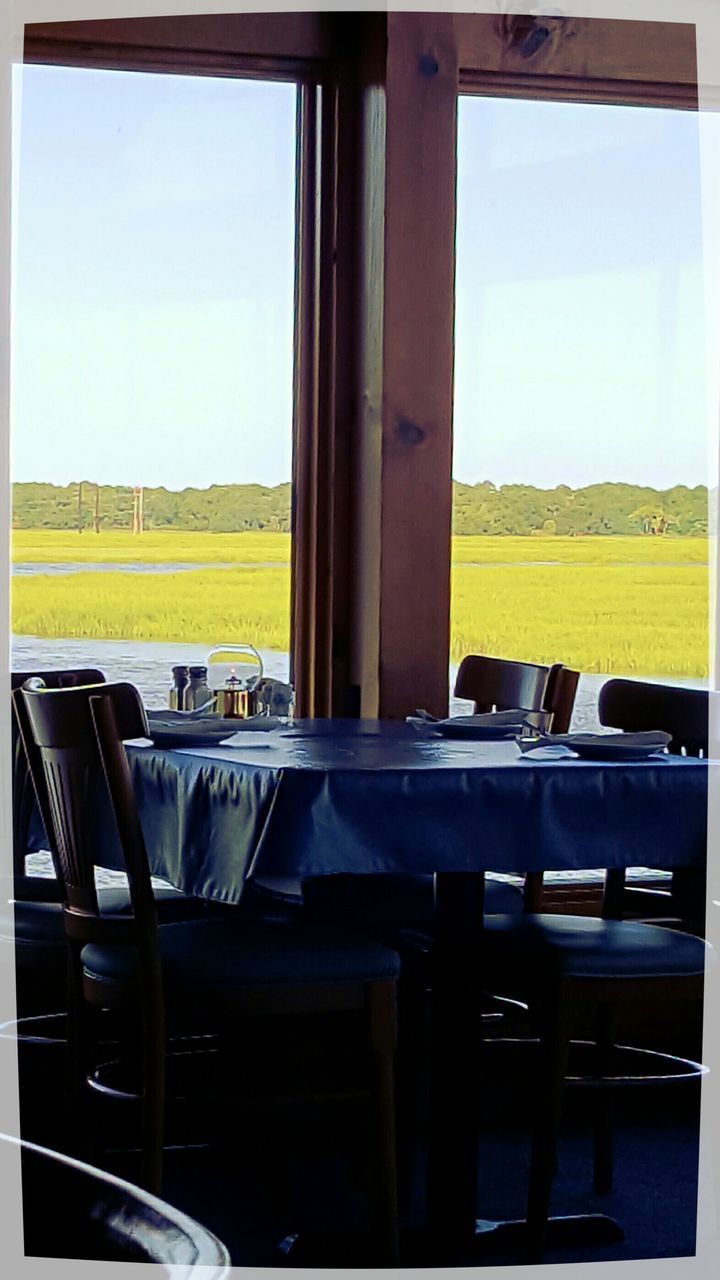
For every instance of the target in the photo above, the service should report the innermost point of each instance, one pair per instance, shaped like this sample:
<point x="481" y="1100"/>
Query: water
<point x="59" y="569"/>
<point x="145" y="663"/>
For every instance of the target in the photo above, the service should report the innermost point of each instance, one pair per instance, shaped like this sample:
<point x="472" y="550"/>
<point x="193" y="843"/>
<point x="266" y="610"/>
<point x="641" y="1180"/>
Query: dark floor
<point x="275" y="1173"/>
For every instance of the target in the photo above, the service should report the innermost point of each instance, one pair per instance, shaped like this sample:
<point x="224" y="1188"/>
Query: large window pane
<point x="580" y="458"/>
<point x="152" y="369"/>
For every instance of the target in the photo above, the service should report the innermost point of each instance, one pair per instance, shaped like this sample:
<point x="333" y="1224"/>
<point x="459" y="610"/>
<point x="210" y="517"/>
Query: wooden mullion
<point x="303" y="523"/>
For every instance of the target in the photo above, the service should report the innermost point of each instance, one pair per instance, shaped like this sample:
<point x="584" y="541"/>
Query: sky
<point x="153" y="286"/>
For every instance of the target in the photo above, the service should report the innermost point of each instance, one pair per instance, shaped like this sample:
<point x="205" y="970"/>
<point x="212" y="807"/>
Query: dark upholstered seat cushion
<point x="210" y="959"/>
<point x="388" y="906"/>
<point x="585" y="947"/>
<point x="42" y="922"/>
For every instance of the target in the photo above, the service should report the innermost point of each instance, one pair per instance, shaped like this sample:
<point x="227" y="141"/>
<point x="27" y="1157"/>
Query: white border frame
<point x="705" y="14"/>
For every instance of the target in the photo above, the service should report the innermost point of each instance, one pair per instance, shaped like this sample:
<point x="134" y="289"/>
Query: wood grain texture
<point x="256" y="35"/>
<point x="589" y="49"/>
<point x="418" y="340"/>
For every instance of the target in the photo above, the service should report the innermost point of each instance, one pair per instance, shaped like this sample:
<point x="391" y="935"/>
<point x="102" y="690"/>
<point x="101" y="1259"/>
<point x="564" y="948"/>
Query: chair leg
<point x="554" y="1045"/>
<point x="153" y="1117"/>
<point x="382" y="1015"/>
<point x="603" y="1135"/>
<point x="79" y="1041"/>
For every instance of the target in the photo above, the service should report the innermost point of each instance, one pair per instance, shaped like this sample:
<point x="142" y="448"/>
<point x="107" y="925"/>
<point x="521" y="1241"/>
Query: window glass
<point x="152" y="373"/>
<point x="580" y="452"/>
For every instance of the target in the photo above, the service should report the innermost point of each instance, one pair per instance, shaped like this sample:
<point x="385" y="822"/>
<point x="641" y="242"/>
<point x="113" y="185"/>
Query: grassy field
<point x="47" y="546"/>
<point x="630" y="605"/>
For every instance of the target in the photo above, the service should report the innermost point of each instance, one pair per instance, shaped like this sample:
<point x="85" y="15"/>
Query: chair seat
<point x="41" y="923"/>
<point x="209" y="960"/>
<point x="585" y="947"/>
<point x="390" y="906"/>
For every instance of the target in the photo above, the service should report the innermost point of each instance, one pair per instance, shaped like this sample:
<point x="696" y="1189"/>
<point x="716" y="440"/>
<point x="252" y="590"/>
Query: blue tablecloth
<point x="325" y="797"/>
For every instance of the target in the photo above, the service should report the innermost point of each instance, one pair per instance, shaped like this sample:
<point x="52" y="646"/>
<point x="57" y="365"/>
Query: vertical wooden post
<point x="406" y="388"/>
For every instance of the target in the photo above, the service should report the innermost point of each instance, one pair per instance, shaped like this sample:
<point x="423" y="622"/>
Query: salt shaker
<point x="178" y="689"/>
<point x="198" y="692"/>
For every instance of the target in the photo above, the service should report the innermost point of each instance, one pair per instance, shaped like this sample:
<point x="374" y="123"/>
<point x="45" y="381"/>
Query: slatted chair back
<point x="560" y="695"/>
<point x="496" y="684"/>
<point x="23" y="792"/>
<point x="635" y="706"/>
<point x="74" y="741"/>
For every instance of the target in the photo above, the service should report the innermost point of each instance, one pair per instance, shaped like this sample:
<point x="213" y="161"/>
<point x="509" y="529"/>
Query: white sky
<point x="153" y="286"/>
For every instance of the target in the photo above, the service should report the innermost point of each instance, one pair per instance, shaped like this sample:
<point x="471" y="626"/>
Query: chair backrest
<point x="633" y="705"/>
<point x="559" y="697"/>
<point x="497" y="684"/>
<point x="23" y="793"/>
<point x="74" y="742"/>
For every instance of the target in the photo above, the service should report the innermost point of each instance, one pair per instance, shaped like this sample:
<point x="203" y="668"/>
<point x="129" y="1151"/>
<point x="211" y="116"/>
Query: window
<point x="580" y="452"/>
<point x="153" y="369"/>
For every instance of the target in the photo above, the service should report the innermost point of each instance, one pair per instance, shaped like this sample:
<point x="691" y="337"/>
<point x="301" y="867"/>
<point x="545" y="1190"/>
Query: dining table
<point x="324" y="797"/>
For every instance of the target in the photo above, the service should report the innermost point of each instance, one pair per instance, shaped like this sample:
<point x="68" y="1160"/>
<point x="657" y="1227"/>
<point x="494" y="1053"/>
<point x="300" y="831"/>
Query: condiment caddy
<point x="230" y="685"/>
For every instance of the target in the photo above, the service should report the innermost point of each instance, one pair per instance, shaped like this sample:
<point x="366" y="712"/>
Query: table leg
<point x="456" y="1236"/>
<point x="455" y="1060"/>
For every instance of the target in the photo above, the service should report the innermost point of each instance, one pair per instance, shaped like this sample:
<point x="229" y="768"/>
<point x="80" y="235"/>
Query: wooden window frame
<point x="375" y="281"/>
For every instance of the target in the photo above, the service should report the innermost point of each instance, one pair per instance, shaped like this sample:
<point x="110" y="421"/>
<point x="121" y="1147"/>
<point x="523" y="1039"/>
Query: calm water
<point x="61" y="568"/>
<point x="147" y="664"/>
<point x="143" y="662"/>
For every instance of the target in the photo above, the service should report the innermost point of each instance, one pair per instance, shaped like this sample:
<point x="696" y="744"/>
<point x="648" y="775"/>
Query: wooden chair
<point x="634" y="706"/>
<point x="496" y="684"/>
<point x="220" y="970"/>
<point x="571" y="968"/>
<point x="26" y="887"/>
<point x="33" y="912"/>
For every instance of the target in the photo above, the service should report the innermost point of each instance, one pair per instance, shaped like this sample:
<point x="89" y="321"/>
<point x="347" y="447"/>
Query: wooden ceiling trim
<point x="304" y="36"/>
<point x="592" y="51"/>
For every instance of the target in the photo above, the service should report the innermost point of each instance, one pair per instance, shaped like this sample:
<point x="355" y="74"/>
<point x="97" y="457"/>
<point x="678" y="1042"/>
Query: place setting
<point x="489" y="726"/>
<point x="225" y="702"/>
<point x="612" y="747"/>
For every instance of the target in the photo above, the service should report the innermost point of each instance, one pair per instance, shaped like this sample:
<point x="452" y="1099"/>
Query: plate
<point x="477" y="732"/>
<point x="190" y="737"/>
<point x="615" y="746"/>
<point x="168" y="730"/>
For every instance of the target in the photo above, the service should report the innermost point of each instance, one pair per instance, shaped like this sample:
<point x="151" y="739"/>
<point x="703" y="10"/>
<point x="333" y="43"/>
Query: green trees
<point x="485" y="508"/>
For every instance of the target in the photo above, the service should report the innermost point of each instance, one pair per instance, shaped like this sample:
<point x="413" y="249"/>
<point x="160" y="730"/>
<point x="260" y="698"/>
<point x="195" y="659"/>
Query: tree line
<point x="485" y="508"/>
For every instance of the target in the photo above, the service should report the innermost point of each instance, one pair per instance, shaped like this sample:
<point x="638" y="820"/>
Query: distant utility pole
<point x="137" y="515"/>
<point x="96" y="521"/>
<point x="80" y="507"/>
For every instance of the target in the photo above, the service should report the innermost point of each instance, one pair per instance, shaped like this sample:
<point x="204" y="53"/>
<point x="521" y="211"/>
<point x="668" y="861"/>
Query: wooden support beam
<point x="403" y="471"/>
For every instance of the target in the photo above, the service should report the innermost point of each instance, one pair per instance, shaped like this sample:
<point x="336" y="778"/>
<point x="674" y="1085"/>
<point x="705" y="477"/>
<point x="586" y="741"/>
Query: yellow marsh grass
<point x="591" y="550"/>
<point x="632" y="605"/>
<point x="620" y="618"/>
<point x="158" y="547"/>
<point x="248" y="604"/>
<point x="155" y="547"/>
